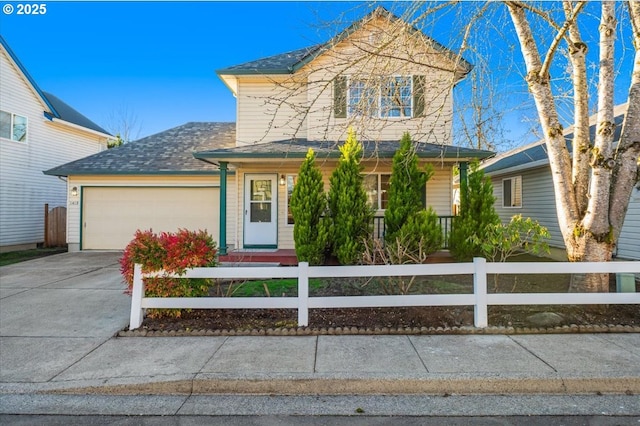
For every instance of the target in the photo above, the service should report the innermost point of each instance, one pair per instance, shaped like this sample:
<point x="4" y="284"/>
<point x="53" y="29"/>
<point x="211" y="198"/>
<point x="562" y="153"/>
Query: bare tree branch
<point x="560" y="36"/>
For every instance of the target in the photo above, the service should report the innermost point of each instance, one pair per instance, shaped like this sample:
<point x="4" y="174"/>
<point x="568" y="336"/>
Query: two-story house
<point x="380" y="77"/>
<point x="37" y="131"/>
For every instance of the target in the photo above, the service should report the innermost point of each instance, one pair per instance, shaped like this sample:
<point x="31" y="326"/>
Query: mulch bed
<point x="413" y="320"/>
<point x="408" y="320"/>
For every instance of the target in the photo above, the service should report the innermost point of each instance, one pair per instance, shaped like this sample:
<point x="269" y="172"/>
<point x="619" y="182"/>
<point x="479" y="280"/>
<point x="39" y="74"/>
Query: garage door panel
<point x="112" y="215"/>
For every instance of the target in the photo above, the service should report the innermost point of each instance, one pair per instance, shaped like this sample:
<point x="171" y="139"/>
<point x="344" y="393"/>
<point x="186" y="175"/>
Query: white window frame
<point x="375" y="109"/>
<point x="515" y="189"/>
<point x="12" y="119"/>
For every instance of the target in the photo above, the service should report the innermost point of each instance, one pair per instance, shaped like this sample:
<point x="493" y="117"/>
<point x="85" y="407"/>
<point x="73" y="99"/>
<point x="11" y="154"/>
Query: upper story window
<point x="362" y="99"/>
<point x="512" y="192"/>
<point x="13" y="126"/>
<point x="384" y="97"/>
<point x="395" y="97"/>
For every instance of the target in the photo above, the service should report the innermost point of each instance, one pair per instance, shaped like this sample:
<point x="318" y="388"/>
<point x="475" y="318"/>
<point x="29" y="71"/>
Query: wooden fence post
<point x="303" y="294"/>
<point x="46" y="225"/>
<point x="137" y="312"/>
<point x="480" y="317"/>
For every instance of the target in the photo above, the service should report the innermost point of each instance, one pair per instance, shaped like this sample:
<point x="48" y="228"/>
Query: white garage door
<point x="111" y="216"/>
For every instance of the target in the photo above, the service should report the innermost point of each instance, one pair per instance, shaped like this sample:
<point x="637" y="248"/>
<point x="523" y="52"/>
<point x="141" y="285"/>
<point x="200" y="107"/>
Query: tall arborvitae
<point x="308" y="206"/>
<point x="351" y="216"/>
<point x="477" y="215"/>
<point x="406" y="188"/>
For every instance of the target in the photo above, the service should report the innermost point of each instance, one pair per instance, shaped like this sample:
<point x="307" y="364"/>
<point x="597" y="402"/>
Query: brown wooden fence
<point x="55" y="226"/>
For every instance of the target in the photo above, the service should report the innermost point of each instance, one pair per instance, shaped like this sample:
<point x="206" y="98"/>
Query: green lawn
<point x="274" y="287"/>
<point x="22" y="255"/>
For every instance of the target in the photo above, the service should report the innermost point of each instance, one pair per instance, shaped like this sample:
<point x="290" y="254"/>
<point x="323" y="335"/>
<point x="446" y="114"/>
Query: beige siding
<point x="269" y="110"/>
<point x="74" y="206"/>
<point x="276" y="107"/>
<point x="440" y="190"/>
<point x="24" y="189"/>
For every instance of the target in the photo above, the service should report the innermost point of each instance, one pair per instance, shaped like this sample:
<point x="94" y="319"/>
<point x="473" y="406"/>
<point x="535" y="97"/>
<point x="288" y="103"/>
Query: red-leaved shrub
<point x="172" y="253"/>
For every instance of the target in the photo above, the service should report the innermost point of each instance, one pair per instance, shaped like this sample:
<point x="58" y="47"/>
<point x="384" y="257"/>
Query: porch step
<point x="443" y="256"/>
<point x="287" y="257"/>
<point x="284" y="257"/>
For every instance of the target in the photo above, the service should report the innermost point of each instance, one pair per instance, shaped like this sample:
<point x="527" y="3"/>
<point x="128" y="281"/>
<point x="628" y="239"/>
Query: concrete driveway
<point x="57" y="309"/>
<point x="58" y="316"/>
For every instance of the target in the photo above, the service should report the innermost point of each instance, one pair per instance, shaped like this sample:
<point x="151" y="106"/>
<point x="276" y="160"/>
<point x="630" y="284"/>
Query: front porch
<point x="258" y="214"/>
<point x="287" y="257"/>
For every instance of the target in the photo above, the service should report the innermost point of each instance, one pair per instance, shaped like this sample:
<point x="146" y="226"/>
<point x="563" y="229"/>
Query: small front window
<point x="512" y="192"/>
<point x="291" y="182"/>
<point x="13" y="126"/>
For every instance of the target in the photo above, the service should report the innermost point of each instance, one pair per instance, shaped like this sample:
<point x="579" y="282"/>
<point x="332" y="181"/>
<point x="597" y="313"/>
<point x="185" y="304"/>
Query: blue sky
<point x="157" y="60"/>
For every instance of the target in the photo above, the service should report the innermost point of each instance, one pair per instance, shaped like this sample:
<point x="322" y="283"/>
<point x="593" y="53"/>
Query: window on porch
<point x="377" y="189"/>
<point x="291" y="182"/>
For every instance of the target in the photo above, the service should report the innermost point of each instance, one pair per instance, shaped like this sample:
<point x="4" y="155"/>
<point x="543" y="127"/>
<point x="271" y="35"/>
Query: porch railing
<point x="379" y="228"/>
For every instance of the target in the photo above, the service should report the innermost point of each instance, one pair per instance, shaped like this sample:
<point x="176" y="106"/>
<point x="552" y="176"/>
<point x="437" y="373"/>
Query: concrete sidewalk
<point x="58" y="316"/>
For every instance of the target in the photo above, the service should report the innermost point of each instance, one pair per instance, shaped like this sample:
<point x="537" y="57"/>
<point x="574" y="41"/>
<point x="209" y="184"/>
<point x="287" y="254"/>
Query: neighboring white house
<point x="286" y="104"/>
<point x="522" y="184"/>
<point x="37" y="131"/>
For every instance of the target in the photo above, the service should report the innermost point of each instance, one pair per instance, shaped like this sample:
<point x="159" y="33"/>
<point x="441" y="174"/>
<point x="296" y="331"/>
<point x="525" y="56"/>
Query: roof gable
<point x="291" y="62"/>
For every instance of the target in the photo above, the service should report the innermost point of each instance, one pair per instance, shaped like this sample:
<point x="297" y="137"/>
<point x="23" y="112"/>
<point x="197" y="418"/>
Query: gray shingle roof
<point x="283" y="63"/>
<point x="67" y="113"/>
<point x="289" y="62"/>
<point x="168" y="152"/>
<point x="297" y="148"/>
<point x="534" y="152"/>
<point x="538" y="150"/>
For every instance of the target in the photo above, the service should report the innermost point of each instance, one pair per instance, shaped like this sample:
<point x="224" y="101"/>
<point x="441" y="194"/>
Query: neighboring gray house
<point x="37" y="131"/>
<point x="522" y="184"/>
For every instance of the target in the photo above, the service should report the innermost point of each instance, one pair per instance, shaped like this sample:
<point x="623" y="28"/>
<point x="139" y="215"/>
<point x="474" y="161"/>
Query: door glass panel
<point x="260" y="212"/>
<point x="260" y="200"/>
<point x="260" y="190"/>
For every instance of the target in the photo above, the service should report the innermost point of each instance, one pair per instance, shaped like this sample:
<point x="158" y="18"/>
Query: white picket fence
<point x="480" y="298"/>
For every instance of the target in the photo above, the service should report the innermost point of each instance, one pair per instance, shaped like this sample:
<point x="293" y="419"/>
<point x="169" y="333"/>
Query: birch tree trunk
<point x="592" y="189"/>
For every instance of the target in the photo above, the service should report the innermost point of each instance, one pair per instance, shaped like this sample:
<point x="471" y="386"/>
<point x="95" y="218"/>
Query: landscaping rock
<point x="545" y="319"/>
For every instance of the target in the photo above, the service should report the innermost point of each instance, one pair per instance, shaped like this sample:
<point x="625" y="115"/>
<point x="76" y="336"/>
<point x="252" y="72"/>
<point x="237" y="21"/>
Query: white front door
<point x="260" y="210"/>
